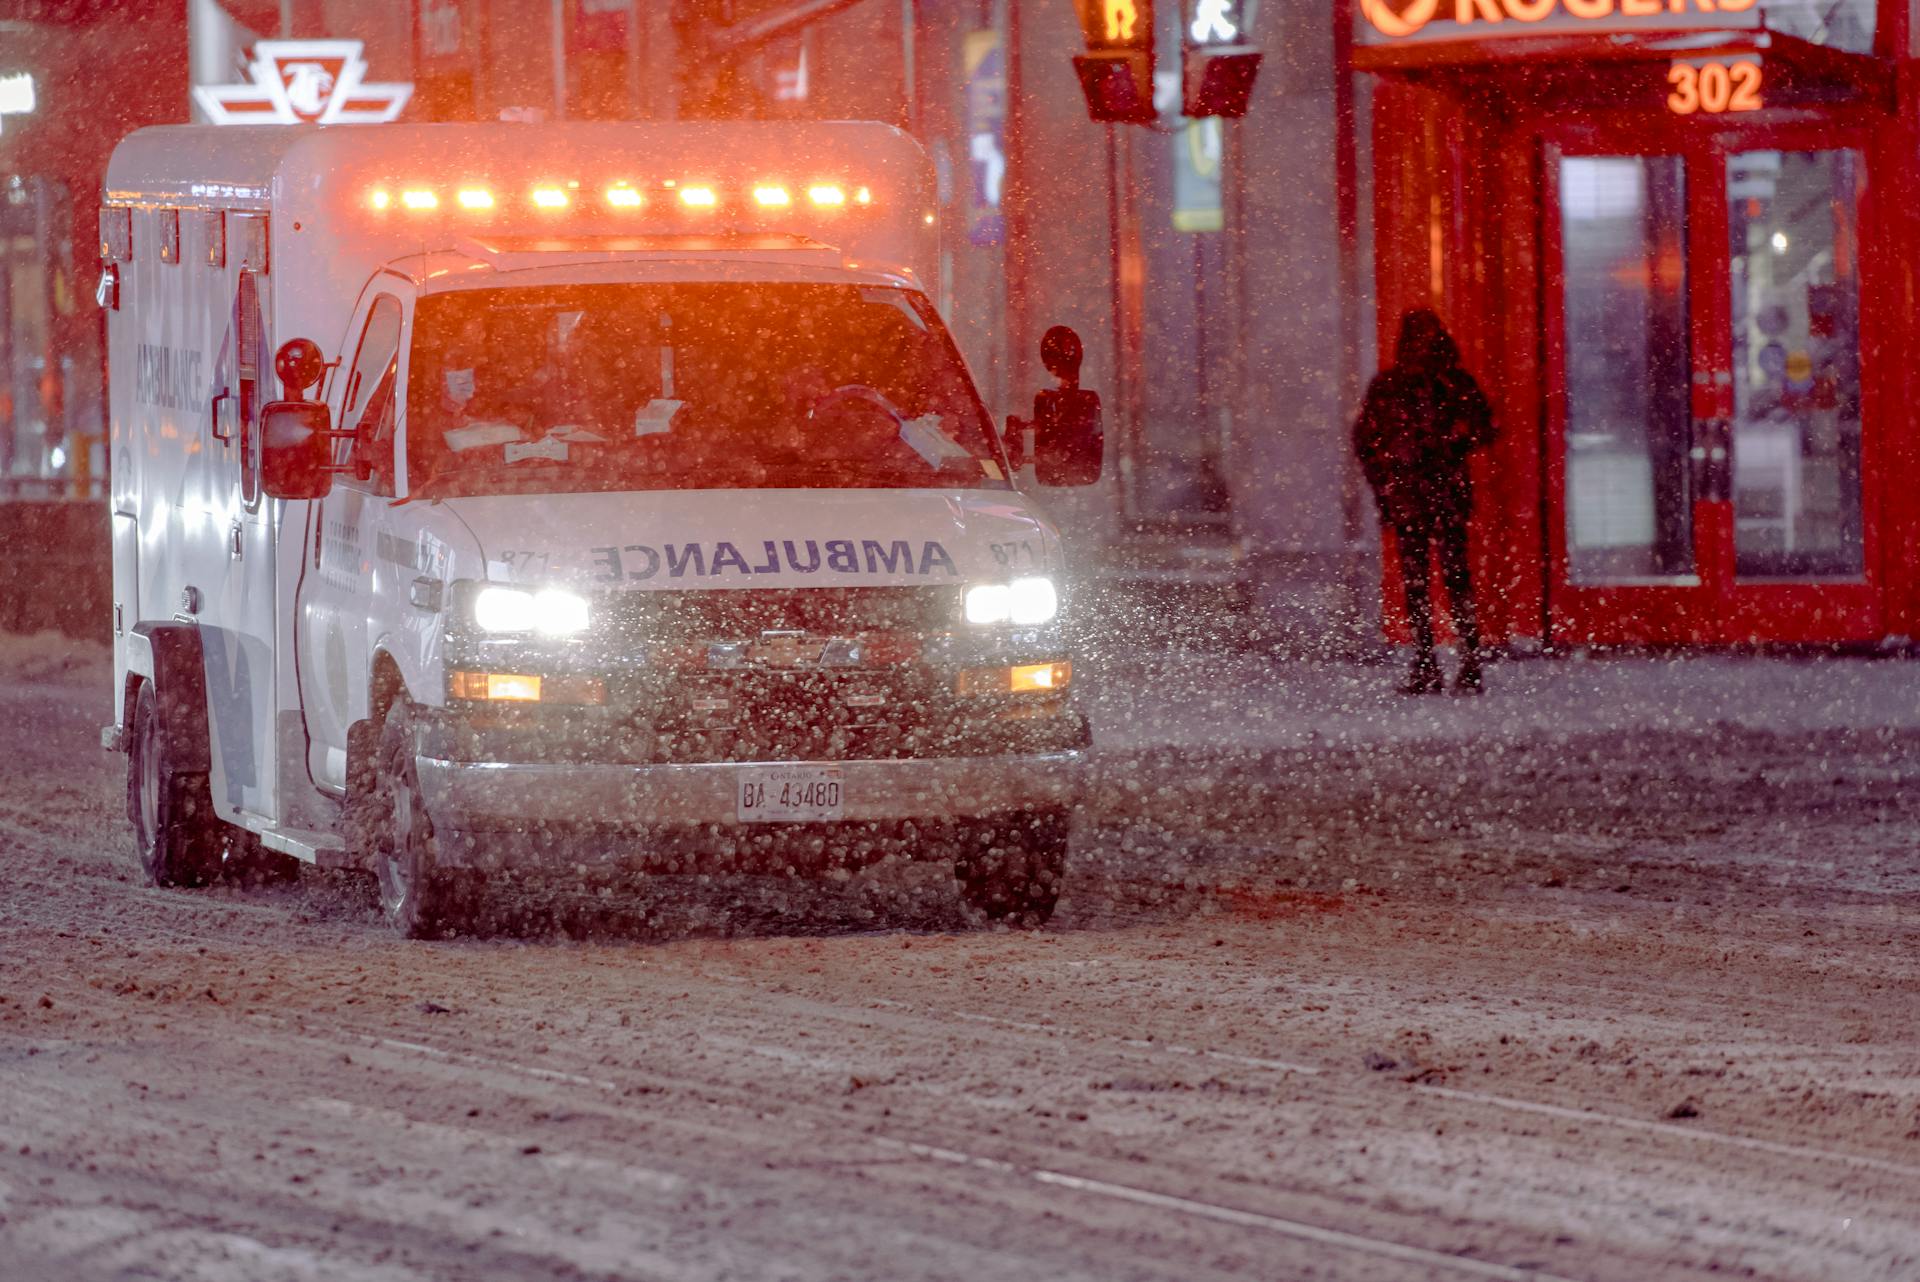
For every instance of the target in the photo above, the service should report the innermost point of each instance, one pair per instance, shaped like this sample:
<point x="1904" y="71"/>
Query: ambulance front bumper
<point x="477" y="797"/>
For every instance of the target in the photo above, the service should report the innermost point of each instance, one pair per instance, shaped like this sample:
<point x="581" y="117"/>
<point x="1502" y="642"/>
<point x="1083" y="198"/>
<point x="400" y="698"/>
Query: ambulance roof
<point x="345" y="200"/>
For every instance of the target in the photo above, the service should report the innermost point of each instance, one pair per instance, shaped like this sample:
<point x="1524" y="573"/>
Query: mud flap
<point x="362" y="806"/>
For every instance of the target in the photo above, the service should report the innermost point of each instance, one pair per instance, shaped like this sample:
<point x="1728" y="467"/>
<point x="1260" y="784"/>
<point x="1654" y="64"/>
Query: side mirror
<point x="296" y="450"/>
<point x="1069" y="437"/>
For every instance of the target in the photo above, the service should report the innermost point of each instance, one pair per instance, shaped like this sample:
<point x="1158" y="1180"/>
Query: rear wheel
<point x="178" y="836"/>
<point x="1010" y="868"/>
<point x="421" y="898"/>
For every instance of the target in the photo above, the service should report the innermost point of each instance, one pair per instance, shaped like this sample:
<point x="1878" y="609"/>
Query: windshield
<point x="690" y="386"/>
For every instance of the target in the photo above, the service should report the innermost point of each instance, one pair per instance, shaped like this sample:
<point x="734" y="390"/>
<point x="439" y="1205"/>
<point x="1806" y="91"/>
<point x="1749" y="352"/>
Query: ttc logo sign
<point x="304" y="82"/>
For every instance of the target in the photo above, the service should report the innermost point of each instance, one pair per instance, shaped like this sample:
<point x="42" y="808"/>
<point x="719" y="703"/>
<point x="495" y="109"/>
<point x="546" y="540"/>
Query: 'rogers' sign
<point x="1384" y="21"/>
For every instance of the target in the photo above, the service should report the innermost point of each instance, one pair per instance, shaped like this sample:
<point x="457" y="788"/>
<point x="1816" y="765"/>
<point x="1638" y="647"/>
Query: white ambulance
<point x="502" y="500"/>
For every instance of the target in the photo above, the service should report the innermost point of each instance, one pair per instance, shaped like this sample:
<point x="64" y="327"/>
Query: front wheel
<point x="179" y="837"/>
<point x="1010" y="868"/>
<point x="248" y="863"/>
<point x="421" y="898"/>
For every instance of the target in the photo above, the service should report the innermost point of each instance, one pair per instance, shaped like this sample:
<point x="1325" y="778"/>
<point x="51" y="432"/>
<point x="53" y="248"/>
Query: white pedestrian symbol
<point x="1211" y="22"/>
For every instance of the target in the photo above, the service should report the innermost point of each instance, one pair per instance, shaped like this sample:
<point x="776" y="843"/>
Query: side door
<point x="336" y="595"/>
<point x="1626" y="371"/>
<point x="238" y="629"/>
<point x="1796" y="312"/>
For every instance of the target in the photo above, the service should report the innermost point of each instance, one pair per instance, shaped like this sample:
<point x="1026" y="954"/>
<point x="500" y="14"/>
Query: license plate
<point x="789" y="794"/>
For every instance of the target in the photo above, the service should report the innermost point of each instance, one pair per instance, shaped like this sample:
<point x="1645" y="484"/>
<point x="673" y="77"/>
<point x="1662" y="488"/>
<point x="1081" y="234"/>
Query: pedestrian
<point x="1424" y="415"/>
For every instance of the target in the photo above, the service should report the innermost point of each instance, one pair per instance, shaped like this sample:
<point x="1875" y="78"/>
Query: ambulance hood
<point x="734" y="539"/>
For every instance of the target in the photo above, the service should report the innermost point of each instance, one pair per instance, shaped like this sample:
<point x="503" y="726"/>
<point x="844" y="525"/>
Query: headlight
<point x="1024" y="601"/>
<point x="989" y="603"/>
<point x="1034" y="600"/>
<point x="550" y="611"/>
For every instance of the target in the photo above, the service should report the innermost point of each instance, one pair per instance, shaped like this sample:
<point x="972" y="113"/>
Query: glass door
<point x="1626" y="365"/>
<point x="1794" y="311"/>
<point x="1705" y="399"/>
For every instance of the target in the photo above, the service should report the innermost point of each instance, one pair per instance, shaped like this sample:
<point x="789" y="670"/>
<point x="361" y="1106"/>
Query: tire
<point x="1011" y="868"/>
<point x="421" y="899"/>
<point x="175" y="831"/>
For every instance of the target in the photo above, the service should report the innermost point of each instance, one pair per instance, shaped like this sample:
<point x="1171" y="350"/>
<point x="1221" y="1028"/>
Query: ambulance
<point x="507" y="502"/>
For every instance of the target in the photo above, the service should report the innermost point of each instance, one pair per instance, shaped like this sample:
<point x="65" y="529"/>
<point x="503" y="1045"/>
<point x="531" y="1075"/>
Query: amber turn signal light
<point x="1022" y="678"/>
<point x="516" y="687"/>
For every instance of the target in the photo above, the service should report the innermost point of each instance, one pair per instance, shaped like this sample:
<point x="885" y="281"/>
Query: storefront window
<point x="1838" y="24"/>
<point x="1628" y="506"/>
<point x="1793" y="217"/>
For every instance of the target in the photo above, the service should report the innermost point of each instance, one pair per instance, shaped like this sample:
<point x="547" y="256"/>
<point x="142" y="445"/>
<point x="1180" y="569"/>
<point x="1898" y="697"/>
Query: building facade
<point x="66" y="96"/>
<point x="1677" y="243"/>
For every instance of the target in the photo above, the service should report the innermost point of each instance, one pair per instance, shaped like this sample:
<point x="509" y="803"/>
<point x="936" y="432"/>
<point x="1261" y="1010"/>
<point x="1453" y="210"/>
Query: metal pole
<point x="210" y="51"/>
<point x="909" y="72"/>
<point x="1240" y="415"/>
<point x="1346" y="168"/>
<point x="1129" y="320"/>
<point x="1118" y="306"/>
<point x="1134" y="277"/>
<point x="1017" y="247"/>
<point x="639" y="104"/>
<point x="559" y="59"/>
<point x="10" y="407"/>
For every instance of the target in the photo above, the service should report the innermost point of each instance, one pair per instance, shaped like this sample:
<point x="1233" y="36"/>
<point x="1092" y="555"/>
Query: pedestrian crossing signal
<point x="1116" y="26"/>
<point x="1118" y="87"/>
<point x="1116" y="73"/>
<point x="1217" y="58"/>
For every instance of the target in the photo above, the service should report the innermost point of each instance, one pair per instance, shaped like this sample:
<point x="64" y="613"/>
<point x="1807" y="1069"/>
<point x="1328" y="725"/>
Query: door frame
<point x="346" y="528"/>
<point x="1713" y="606"/>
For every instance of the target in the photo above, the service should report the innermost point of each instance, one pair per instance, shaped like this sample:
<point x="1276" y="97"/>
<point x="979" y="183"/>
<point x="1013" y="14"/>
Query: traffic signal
<point x="1116" y="72"/>
<point x="1217" y="84"/>
<point x="1217" y="61"/>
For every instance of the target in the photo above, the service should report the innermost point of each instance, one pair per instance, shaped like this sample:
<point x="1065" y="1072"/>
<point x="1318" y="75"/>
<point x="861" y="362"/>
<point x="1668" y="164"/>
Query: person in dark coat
<point x="1424" y="415"/>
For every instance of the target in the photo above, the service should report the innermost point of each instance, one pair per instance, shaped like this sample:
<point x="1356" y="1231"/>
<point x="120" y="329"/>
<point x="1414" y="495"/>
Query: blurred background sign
<point x="1198" y="150"/>
<point x="986" y="79"/>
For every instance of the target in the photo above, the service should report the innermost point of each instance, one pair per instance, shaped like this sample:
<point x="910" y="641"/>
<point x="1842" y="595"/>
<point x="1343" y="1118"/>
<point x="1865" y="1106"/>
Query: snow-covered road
<point x="1613" y="974"/>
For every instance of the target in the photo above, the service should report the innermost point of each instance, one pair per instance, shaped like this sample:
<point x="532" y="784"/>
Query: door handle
<point x="213" y="412"/>
<point x="1712" y="460"/>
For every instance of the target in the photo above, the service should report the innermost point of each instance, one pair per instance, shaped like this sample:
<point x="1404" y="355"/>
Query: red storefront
<point x="1676" y="239"/>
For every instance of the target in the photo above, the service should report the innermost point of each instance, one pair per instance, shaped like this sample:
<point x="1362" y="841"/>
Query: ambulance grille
<point x="742" y="615"/>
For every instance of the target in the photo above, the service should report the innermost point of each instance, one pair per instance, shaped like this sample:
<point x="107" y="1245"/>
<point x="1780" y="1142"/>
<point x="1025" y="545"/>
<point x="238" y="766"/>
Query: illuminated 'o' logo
<point x="1404" y="23"/>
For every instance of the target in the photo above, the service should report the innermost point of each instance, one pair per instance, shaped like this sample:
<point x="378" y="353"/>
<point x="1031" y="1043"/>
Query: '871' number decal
<point x="1016" y="556"/>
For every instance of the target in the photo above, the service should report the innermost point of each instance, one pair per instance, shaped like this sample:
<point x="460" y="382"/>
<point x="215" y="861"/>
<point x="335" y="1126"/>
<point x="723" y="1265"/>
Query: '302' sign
<point x="1712" y="87"/>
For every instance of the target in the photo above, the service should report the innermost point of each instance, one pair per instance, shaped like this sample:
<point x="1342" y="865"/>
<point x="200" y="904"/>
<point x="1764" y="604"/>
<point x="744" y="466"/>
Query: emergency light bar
<point x="335" y="204"/>
<point x="622" y="195"/>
